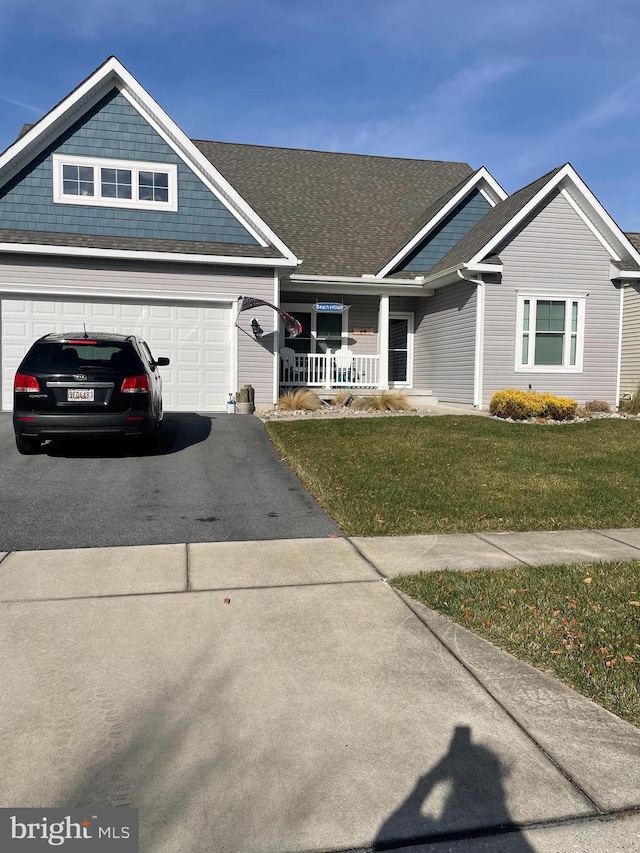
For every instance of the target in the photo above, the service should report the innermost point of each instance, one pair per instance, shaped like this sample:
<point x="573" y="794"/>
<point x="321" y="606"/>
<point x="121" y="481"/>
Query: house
<point x="417" y="274"/>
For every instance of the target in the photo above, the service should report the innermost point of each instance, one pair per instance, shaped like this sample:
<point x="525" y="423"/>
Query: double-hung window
<point x="550" y="335"/>
<point x="115" y="183"/>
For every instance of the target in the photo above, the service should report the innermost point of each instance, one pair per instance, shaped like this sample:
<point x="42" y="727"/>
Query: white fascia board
<point x="115" y="294"/>
<point x="566" y="195"/>
<point x="132" y="254"/>
<point x="602" y="214"/>
<point x="354" y="279"/>
<point x="204" y="167"/>
<point x="96" y="81"/>
<point x="495" y="194"/>
<point x="623" y="275"/>
<point x="113" y="73"/>
<point x="568" y="175"/>
<point x="370" y="287"/>
<point x="484" y="267"/>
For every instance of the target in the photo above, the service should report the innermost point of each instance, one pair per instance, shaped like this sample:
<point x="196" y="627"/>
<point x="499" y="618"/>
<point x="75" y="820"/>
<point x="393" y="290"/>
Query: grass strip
<point x="579" y="623"/>
<point x="390" y="476"/>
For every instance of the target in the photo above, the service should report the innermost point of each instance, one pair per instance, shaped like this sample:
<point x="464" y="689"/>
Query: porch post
<point x="383" y="342"/>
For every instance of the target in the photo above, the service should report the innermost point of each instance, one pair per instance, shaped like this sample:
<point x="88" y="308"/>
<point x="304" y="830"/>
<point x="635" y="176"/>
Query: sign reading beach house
<point x="329" y="307"/>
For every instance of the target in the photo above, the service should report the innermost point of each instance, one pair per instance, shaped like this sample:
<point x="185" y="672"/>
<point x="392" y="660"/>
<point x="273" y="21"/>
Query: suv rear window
<point x="58" y="357"/>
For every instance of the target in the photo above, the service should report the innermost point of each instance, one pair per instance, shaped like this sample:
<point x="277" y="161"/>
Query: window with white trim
<point x="115" y="183"/>
<point x="550" y="333"/>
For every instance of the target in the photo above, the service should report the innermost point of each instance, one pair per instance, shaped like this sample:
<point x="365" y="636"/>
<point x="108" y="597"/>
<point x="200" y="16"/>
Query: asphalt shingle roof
<point x="138" y="244"/>
<point x="342" y="214"/>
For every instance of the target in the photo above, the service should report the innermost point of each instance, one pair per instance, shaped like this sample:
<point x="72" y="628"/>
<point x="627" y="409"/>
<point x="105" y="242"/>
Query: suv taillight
<point x="135" y="385"/>
<point x="26" y="384"/>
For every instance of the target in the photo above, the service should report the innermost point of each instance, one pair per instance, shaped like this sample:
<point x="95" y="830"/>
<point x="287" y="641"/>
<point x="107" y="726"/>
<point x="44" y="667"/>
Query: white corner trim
<point x="619" y="370"/>
<point x="276" y="339"/>
<point x="167" y="257"/>
<point x="478" y="368"/>
<point x="481" y="176"/>
<point x="590" y="225"/>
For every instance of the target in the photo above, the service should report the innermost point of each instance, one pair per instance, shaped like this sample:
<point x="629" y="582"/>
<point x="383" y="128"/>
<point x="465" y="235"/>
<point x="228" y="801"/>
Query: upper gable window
<point x="115" y="183"/>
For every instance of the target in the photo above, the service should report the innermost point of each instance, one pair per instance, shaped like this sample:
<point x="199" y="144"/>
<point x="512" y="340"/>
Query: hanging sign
<point x="329" y="307"/>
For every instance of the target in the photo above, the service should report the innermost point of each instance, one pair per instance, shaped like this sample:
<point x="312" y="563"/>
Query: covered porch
<point x="355" y="341"/>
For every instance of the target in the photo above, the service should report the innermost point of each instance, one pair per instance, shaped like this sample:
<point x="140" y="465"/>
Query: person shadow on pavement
<point x="470" y="777"/>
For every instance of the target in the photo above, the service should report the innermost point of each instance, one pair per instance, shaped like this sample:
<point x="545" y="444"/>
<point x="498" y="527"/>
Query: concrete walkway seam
<point x="504" y="551"/>
<point x="366" y="559"/>
<point x="187" y="568"/>
<point x="409" y="603"/>
<point x="489" y="832"/>
<point x="613" y="539"/>
<point x="4" y="557"/>
<point x="192" y="591"/>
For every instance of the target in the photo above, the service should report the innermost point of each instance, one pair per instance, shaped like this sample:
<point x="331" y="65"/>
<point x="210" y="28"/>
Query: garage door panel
<point x="197" y="339"/>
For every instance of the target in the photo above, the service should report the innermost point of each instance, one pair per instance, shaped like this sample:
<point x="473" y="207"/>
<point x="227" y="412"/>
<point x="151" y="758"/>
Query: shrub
<point x="596" y="406"/>
<point x="519" y="405"/>
<point x="632" y="406"/>
<point x="388" y="401"/>
<point x="559" y="408"/>
<point x="342" y="397"/>
<point x="300" y="399"/>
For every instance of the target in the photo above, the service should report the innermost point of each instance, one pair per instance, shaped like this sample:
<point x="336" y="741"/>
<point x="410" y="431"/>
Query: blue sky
<point x="519" y="87"/>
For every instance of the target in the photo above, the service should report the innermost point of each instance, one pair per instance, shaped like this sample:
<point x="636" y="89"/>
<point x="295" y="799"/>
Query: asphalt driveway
<point x="216" y="479"/>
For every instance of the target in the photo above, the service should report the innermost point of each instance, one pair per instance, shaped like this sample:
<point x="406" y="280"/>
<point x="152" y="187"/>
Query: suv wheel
<point x="27" y="446"/>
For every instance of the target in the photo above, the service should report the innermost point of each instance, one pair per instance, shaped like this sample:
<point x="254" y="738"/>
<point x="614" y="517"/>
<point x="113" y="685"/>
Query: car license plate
<point x="83" y="394"/>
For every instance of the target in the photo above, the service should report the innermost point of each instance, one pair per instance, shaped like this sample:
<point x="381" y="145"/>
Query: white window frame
<point x="134" y="166"/>
<point x="307" y="308"/>
<point x="409" y="317"/>
<point x="533" y="297"/>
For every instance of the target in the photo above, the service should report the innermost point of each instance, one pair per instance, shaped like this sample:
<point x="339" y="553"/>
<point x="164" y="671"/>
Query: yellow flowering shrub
<point x="519" y="405"/>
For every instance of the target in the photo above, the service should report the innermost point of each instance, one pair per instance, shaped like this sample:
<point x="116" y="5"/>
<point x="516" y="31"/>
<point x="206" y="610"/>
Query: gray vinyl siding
<point x="554" y="252"/>
<point x="444" y="343"/>
<point x="115" y="130"/>
<point x="630" y="372"/>
<point x="58" y="279"/>
<point x="448" y="233"/>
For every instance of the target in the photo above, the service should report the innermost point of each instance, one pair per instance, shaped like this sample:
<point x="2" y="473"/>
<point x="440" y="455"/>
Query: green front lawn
<point x="384" y="476"/>
<point x="578" y="622"/>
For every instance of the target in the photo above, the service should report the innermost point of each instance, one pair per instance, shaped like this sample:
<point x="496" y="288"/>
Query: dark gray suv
<point x="87" y="385"/>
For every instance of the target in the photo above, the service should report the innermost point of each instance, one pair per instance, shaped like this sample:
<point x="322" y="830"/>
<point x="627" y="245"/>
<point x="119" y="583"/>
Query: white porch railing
<point x="326" y="370"/>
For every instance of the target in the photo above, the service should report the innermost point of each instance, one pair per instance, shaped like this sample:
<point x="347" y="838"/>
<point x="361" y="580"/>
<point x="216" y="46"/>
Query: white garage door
<point x="196" y="337"/>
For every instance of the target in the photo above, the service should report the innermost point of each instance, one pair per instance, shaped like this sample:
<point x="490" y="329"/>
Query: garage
<point x="197" y="337"/>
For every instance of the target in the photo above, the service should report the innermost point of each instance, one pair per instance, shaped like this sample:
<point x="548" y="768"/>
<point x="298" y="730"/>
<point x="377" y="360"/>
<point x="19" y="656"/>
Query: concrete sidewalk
<point x="281" y="696"/>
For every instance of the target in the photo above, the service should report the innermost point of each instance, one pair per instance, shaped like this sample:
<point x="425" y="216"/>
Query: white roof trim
<point x="482" y="176"/>
<point x="112" y="72"/>
<point x="566" y="174"/>
<point x="133" y="254"/>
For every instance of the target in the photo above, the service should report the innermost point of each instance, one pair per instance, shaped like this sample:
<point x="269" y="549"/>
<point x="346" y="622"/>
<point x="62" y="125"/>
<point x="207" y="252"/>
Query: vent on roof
<point x="25" y="129"/>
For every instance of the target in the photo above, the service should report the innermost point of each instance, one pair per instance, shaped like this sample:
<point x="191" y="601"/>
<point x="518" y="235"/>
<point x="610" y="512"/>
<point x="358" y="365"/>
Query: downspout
<point x="478" y="362"/>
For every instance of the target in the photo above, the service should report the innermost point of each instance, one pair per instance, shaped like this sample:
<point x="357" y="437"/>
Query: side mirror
<point x="162" y="362"/>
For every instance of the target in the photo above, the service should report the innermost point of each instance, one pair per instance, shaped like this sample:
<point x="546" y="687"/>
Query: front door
<point x="399" y="351"/>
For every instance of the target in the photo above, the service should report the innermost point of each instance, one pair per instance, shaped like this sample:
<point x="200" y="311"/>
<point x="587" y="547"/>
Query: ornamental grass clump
<point x="597" y="406"/>
<point x="386" y="401"/>
<point x="302" y="399"/>
<point x="521" y="405"/>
